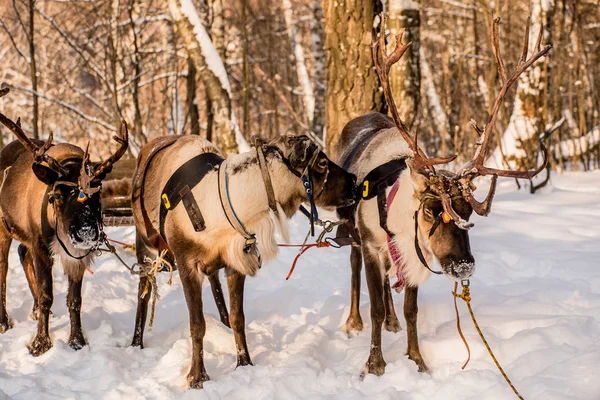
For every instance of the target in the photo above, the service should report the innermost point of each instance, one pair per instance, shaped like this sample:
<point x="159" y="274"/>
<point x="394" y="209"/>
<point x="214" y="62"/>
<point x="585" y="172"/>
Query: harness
<point x="375" y="184"/>
<point x="179" y="189"/>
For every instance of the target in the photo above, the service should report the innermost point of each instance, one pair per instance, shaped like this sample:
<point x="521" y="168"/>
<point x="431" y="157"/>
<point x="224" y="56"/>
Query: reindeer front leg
<point x="354" y="321"/>
<point x="27" y="263"/>
<point x="143" y="252"/>
<point x="410" y="313"/>
<point x="5" y="241"/>
<point x="76" y="339"/>
<point x="235" y="282"/>
<point x="43" y="275"/>
<point x="375" y="363"/>
<point x="192" y="288"/>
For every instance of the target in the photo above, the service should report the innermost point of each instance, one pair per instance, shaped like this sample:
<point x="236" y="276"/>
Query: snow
<point x="536" y="293"/>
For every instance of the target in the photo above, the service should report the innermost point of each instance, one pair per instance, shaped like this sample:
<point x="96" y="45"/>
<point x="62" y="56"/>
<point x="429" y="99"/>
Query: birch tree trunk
<point x="525" y="122"/>
<point x="308" y="98"/>
<point x="227" y="134"/>
<point x="320" y="88"/>
<point x="405" y="76"/>
<point x="33" y="65"/>
<point x="352" y="83"/>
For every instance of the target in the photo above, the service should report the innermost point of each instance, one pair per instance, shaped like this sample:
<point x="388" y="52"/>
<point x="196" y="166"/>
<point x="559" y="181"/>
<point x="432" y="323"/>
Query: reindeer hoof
<point x="243" y="360"/>
<point x="392" y="326"/>
<point x="353" y="324"/>
<point x="374" y="366"/>
<point x="225" y="321"/>
<point x="77" y="341"/>
<point x="197" y="382"/>
<point x="420" y="363"/>
<point x="40" y="345"/>
<point x="137" y="342"/>
<point x="5" y="325"/>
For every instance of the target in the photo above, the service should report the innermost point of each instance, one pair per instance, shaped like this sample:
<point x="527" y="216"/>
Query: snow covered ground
<point x="536" y="293"/>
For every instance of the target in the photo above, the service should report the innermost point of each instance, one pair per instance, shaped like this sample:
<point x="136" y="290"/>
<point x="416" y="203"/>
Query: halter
<point x="48" y="231"/>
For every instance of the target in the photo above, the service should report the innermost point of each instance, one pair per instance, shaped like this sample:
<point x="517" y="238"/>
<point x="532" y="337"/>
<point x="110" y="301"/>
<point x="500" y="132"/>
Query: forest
<point x="229" y="70"/>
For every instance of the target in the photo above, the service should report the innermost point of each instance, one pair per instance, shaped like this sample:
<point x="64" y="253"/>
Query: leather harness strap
<point x="179" y="189"/>
<point x="153" y="236"/>
<point x="262" y="162"/>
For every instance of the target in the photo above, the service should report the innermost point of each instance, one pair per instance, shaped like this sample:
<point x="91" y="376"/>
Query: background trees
<point x="301" y="66"/>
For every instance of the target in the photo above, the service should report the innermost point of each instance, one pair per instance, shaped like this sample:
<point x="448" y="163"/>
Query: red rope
<point x="117" y="242"/>
<point x="306" y="247"/>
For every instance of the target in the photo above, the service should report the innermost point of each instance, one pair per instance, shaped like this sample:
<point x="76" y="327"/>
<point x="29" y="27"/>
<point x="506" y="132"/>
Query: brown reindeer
<point x="49" y="202"/>
<point x="412" y="214"/>
<point x="200" y="251"/>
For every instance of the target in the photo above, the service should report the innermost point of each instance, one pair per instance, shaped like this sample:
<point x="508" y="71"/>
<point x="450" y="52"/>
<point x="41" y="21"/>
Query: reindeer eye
<point x="323" y="163"/>
<point x="57" y="196"/>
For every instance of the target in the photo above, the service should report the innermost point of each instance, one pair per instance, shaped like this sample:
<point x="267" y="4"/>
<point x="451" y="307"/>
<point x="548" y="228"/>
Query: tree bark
<point x="192" y="105"/>
<point x="308" y="98"/>
<point x="33" y="65"/>
<point x="352" y="83"/>
<point x="319" y="74"/>
<point x="206" y="58"/>
<point x="405" y="76"/>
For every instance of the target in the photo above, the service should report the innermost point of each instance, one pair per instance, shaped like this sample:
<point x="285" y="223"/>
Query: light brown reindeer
<point x="409" y="208"/>
<point x="200" y="229"/>
<point x="49" y="202"/>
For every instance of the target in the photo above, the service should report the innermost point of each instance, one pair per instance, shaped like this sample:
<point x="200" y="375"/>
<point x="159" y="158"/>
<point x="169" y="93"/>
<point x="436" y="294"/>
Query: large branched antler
<point x="475" y="167"/>
<point x="383" y="63"/>
<point x="88" y="174"/>
<point x="39" y="153"/>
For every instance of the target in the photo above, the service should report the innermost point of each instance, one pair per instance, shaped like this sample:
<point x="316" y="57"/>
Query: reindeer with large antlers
<point x="49" y="202"/>
<point x="413" y="215"/>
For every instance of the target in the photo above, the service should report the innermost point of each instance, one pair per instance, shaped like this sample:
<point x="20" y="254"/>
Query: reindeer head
<point x="73" y="185"/>
<point x="445" y="199"/>
<point x="331" y="186"/>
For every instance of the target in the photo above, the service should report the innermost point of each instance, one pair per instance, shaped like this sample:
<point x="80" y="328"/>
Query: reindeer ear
<point x="44" y="173"/>
<point x="300" y="150"/>
<point x="419" y="181"/>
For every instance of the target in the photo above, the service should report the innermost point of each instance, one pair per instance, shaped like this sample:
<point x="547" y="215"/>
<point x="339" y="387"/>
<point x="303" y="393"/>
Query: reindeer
<point x="49" y="202"/>
<point x="412" y="214"/>
<point x="239" y="215"/>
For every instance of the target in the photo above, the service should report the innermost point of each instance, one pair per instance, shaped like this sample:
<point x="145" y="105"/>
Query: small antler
<point x="39" y="153"/>
<point x="383" y="63"/>
<point x="106" y="166"/>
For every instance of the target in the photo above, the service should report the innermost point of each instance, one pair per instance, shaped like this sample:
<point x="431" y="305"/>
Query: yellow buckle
<point x="365" y="192"/>
<point x="166" y="201"/>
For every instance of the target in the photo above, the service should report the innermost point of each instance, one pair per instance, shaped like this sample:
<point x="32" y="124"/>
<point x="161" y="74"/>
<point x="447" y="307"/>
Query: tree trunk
<point x="405" y="76"/>
<point x="192" y="105"/>
<point x="206" y="58"/>
<point x="33" y="68"/>
<point x="352" y="83"/>
<point x="320" y="87"/>
<point x="308" y="98"/>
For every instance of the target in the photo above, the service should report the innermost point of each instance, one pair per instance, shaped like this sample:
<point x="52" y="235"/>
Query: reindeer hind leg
<point x="217" y="291"/>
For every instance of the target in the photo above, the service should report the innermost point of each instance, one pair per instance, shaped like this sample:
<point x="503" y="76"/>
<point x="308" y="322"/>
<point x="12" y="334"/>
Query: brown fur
<point x="21" y="198"/>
